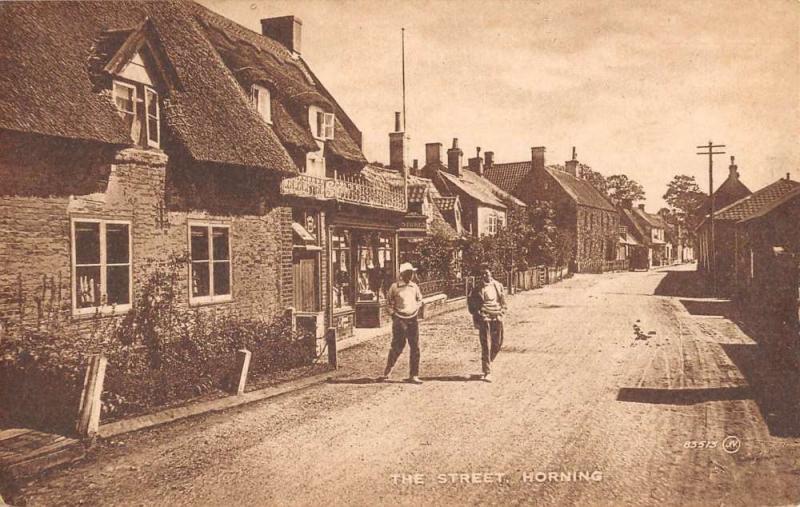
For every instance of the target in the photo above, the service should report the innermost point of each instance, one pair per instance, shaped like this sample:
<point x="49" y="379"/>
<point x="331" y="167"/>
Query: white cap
<point x="406" y="266"/>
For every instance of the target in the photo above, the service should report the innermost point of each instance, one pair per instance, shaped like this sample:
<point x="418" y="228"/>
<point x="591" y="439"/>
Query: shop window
<point x="375" y="266"/>
<point x="210" y="275"/>
<point x="341" y="269"/>
<point x="101" y="266"/>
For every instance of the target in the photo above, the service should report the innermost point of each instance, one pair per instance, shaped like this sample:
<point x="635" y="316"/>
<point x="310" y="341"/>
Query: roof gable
<point x="751" y="205"/>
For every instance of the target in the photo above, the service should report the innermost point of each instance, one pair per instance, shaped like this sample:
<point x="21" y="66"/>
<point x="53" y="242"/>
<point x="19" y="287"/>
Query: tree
<point x="620" y="188"/>
<point x="597" y="180"/>
<point x="683" y="196"/>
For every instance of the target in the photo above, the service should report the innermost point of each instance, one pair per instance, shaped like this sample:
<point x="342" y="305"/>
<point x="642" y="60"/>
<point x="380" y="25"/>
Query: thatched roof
<point x="52" y="56"/>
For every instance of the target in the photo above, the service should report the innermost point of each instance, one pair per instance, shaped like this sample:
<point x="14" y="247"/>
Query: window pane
<point x="152" y="103"/>
<point x="220" y="243"/>
<point x="117" y="243"/>
<point x="200" y="280"/>
<point x="199" y="243"/>
<point x="117" y="281"/>
<point x="222" y="278"/>
<point x="124" y="98"/>
<point x="87" y="286"/>
<point x="87" y="243"/>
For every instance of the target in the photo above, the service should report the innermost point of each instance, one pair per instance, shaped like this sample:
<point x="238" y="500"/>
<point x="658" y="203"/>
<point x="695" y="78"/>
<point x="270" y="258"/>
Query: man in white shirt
<point x="404" y="300"/>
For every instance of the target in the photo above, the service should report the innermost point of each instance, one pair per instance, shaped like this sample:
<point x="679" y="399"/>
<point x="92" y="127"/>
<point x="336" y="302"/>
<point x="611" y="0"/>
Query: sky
<point x="634" y="86"/>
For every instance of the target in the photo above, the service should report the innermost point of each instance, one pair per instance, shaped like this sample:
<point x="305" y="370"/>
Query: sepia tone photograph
<point x="376" y="252"/>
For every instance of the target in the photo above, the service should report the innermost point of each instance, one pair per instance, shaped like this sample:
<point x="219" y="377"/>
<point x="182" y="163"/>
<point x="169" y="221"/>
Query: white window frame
<point x="262" y="105"/>
<point x="491" y="223"/>
<point x="151" y="142"/>
<point x="321" y="123"/>
<point x="211" y="298"/>
<point x="134" y="97"/>
<point x="103" y="265"/>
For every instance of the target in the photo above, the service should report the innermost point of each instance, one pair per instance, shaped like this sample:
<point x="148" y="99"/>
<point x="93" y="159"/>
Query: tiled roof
<point x="789" y="196"/>
<point x="731" y="190"/>
<point x="445" y="203"/>
<point x="750" y="205"/>
<point x="509" y="177"/>
<point x="581" y="191"/>
<point x="480" y="189"/>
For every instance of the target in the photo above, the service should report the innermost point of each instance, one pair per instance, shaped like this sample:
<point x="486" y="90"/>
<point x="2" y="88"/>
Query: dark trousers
<point x="495" y="329"/>
<point x="404" y="330"/>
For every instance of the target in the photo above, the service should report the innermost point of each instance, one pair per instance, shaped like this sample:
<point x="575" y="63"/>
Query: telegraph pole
<point x="709" y="151"/>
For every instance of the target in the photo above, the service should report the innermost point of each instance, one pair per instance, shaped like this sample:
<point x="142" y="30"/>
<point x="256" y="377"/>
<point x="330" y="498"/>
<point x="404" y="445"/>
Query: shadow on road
<point x="709" y="308"/>
<point x="686" y="284"/>
<point x="688" y="396"/>
<point x="775" y="386"/>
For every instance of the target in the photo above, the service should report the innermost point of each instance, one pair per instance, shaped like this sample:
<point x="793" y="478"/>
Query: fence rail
<point x="602" y="266"/>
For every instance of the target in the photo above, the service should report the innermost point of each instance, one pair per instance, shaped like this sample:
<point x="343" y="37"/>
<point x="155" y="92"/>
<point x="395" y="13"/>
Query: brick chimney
<point x="433" y="153"/>
<point x="641" y="207"/>
<point x="455" y="159"/>
<point x="571" y="166"/>
<point x="476" y="163"/>
<point x="415" y="167"/>
<point x="398" y="146"/>
<point x="488" y="159"/>
<point x="627" y="203"/>
<point x="537" y="157"/>
<point x="284" y="29"/>
<point x="733" y="169"/>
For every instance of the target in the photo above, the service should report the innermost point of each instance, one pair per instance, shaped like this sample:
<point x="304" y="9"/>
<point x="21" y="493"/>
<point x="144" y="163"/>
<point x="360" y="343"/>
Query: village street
<point x="631" y="421"/>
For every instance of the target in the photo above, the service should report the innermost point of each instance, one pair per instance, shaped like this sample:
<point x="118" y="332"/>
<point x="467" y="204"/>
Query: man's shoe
<point x="383" y="378"/>
<point x="413" y="380"/>
<point x="487" y="377"/>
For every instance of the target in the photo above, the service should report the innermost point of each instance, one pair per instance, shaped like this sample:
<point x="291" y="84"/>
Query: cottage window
<point x="491" y="225"/>
<point x="138" y="105"/>
<point x="261" y="102"/>
<point x="101" y="266"/>
<point x="210" y="271"/>
<point x="321" y="123"/>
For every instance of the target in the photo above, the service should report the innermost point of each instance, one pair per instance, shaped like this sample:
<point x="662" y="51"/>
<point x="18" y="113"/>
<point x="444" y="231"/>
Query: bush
<point x="159" y="353"/>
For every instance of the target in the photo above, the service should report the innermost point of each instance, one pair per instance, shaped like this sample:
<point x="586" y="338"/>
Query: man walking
<point x="405" y="300"/>
<point x="487" y="304"/>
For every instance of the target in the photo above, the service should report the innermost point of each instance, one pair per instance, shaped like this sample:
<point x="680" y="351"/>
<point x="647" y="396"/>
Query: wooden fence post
<point x="330" y="339"/>
<point x="91" y="404"/>
<point x="242" y="367"/>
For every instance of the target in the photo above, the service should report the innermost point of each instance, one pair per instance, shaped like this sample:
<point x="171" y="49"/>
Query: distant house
<point x="730" y="191"/>
<point x="580" y="208"/>
<point x="634" y="238"/>
<point x="721" y="259"/>
<point x="484" y="206"/>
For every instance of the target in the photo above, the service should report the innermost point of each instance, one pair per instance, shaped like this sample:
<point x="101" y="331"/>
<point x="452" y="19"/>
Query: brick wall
<point x="54" y="182"/>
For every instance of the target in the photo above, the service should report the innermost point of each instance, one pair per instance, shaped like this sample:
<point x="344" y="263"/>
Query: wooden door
<point x="306" y="283"/>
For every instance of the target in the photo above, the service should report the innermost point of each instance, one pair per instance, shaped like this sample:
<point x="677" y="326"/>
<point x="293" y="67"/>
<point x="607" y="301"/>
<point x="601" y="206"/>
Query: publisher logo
<point x="731" y="444"/>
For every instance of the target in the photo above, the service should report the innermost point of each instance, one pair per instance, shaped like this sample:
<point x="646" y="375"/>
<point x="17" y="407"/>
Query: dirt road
<point x="605" y="394"/>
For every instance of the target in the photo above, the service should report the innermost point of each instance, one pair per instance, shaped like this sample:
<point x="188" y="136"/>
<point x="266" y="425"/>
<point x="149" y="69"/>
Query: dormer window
<point x="321" y="123"/>
<point x="137" y="104"/>
<point x="261" y="102"/>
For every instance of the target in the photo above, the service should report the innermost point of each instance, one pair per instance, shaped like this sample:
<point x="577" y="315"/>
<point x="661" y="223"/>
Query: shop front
<point x="363" y="265"/>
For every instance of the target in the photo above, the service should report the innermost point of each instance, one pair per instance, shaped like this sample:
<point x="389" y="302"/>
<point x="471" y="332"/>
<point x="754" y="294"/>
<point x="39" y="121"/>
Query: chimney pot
<point x="733" y="169"/>
<point x="397" y="121"/>
<point x="284" y="29"/>
<point x="455" y="143"/>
